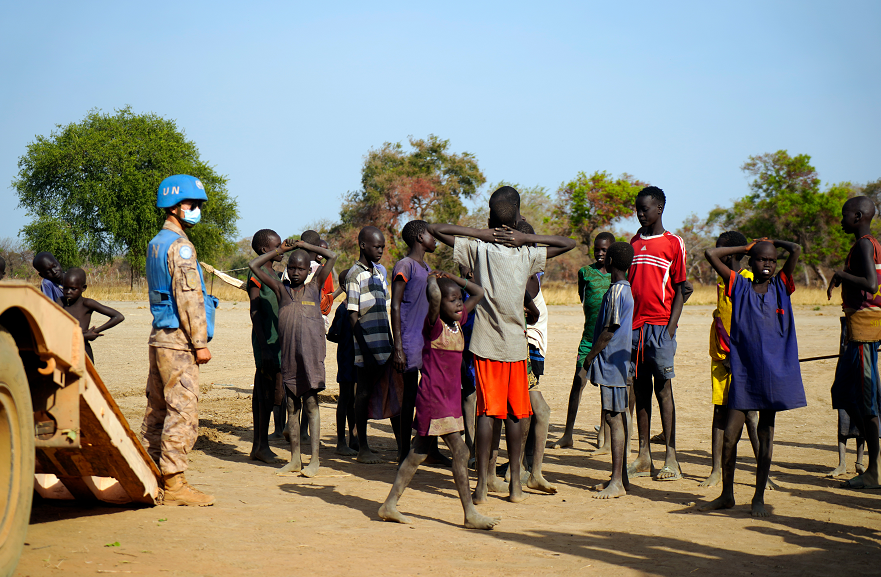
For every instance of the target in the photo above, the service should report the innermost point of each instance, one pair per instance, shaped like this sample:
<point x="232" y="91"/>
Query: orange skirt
<point x="502" y="389"/>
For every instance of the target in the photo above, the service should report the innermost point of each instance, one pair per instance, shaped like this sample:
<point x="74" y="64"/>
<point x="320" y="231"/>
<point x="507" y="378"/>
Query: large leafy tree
<point x="787" y="202"/>
<point x="588" y="203"/>
<point x="90" y="188"/>
<point x="424" y="181"/>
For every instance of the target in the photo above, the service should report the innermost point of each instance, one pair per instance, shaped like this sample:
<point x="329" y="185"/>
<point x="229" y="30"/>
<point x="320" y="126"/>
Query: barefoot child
<point x="73" y="286"/>
<point x="52" y="274"/>
<point x="264" y="344"/>
<point x="765" y="375"/>
<point x="856" y="388"/>
<point x="535" y="428"/>
<point x="340" y="332"/>
<point x="593" y="282"/>
<point x="301" y="335"/>
<point x="499" y="340"/>
<point x="608" y="363"/>
<point x="656" y="279"/>
<point x="366" y="298"/>
<point x="438" y="406"/>
<point x="409" y="308"/>
<point x="720" y="372"/>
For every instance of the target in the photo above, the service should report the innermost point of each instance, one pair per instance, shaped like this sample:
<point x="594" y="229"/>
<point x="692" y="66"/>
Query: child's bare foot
<point x="771" y="485"/>
<point x="722" y="502"/>
<point x="565" y="441"/>
<point x="611" y="491"/>
<point x="600" y="451"/>
<point x="640" y="468"/>
<point x="713" y="479"/>
<point x="266" y="455"/>
<point x="758" y="509"/>
<point x="860" y="468"/>
<point x="838" y="471"/>
<point x="368" y="457"/>
<point x="293" y="467"/>
<point x="496" y="485"/>
<point x="476" y="521"/>
<point x="345" y="450"/>
<point x="436" y="458"/>
<point x="479" y="497"/>
<point x="517" y="495"/>
<point x="390" y="513"/>
<point x="539" y="483"/>
<point x="311" y="469"/>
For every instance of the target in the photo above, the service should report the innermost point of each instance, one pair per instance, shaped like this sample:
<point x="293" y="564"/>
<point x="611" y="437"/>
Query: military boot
<point x="179" y="492"/>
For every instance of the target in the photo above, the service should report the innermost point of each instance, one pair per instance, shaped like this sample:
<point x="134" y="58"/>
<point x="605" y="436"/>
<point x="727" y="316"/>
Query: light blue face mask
<point x="192" y="216"/>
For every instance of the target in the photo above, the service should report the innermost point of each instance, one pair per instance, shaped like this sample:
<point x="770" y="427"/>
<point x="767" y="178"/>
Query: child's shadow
<point x="329" y="495"/>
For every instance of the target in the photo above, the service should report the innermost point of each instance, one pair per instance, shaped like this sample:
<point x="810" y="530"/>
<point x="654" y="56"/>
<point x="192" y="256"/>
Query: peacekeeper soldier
<point x="183" y="323"/>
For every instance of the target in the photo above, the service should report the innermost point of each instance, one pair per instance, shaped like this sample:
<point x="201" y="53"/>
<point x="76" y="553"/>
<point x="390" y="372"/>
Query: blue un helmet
<point x="178" y="188"/>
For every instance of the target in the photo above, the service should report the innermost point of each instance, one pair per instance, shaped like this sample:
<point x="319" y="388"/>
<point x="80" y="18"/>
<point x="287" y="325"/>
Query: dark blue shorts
<point x="856" y="387"/>
<point x="614" y="399"/>
<point x="653" y="351"/>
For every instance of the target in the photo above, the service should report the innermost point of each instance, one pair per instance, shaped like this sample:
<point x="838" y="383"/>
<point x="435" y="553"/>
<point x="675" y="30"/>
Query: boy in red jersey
<point x="857" y="386"/>
<point x="657" y="277"/>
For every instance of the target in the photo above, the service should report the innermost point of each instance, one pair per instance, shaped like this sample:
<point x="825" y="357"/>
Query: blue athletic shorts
<point x="653" y="351"/>
<point x="614" y="398"/>
<point x="856" y="386"/>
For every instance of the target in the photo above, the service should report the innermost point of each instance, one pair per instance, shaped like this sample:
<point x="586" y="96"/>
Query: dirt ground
<point x="266" y="524"/>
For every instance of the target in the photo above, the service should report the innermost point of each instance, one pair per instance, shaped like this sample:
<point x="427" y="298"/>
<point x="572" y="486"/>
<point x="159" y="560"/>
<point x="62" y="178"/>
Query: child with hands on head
<point x="73" y="286"/>
<point x="765" y="374"/>
<point x="438" y="400"/>
<point x="301" y="334"/>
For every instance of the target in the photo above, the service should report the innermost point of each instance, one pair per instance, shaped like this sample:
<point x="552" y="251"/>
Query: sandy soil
<point x="266" y="524"/>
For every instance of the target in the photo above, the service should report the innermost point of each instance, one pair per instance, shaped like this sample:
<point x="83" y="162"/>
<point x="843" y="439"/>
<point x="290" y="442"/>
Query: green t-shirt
<point x="593" y="286"/>
<point x="268" y="319"/>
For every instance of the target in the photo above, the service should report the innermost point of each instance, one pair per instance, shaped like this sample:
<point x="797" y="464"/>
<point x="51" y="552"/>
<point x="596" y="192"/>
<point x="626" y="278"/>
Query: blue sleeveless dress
<point x="765" y="373"/>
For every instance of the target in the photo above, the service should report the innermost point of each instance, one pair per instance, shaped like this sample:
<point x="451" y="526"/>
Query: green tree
<point x="426" y="181"/>
<point x="90" y="188"/>
<point x="786" y="202"/>
<point x="590" y="202"/>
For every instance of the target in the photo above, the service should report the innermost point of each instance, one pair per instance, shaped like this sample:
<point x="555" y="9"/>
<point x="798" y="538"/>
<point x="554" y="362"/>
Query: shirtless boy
<point x="856" y="388"/>
<point x="73" y="286"/>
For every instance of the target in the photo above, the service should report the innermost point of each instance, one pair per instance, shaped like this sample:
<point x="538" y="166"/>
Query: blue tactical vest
<point x="162" y="304"/>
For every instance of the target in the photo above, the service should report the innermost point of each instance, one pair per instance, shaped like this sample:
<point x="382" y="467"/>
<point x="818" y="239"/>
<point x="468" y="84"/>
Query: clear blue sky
<point x="286" y="98"/>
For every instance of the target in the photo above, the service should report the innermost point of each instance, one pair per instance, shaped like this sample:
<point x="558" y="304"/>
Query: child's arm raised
<point x="256" y="267"/>
<point x="715" y="255"/>
<point x="116" y="317"/>
<point x="447" y="233"/>
<point x="433" y="293"/>
<point x="329" y="256"/>
<point x="475" y="291"/>
<point x="794" y="251"/>
<point x="868" y="280"/>
<point x="556" y="245"/>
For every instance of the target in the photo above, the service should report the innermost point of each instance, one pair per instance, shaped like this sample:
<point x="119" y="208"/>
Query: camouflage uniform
<point x="171" y="422"/>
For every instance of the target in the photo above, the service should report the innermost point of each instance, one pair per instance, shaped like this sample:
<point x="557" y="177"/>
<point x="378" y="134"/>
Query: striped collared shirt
<point x="367" y="294"/>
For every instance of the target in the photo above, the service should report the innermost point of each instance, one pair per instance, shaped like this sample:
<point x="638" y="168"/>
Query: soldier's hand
<point x="202" y="356"/>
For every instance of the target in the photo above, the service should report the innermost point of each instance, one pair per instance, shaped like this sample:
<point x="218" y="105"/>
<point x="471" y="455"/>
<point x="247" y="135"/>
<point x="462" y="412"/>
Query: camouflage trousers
<point x="171" y="422"/>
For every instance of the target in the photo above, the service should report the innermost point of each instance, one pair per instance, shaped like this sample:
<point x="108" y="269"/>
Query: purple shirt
<point x="53" y="291"/>
<point x="414" y="307"/>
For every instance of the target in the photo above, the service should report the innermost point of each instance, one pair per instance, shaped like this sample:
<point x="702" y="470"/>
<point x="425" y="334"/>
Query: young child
<point x="856" y="389"/>
<point x="264" y="344"/>
<point x="52" y="274"/>
<point x="438" y="407"/>
<point x="366" y="298"/>
<point x="608" y="363"/>
<point x="340" y="332"/>
<point x="720" y="372"/>
<point x="301" y="335"/>
<point x="73" y="286"/>
<point x="765" y="375"/>
<point x="656" y="278"/>
<point x="535" y="428"/>
<point x="409" y="307"/>
<point x="469" y="382"/>
<point x="593" y="282"/>
<point x="501" y="265"/>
